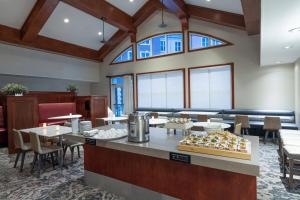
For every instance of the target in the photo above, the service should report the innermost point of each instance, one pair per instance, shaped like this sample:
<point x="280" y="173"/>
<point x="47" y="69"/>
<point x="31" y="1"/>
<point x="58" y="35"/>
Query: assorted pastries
<point x="223" y="140"/>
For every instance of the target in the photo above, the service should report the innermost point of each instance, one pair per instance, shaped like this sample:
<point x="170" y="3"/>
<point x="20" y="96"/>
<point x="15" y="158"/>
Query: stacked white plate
<point x="85" y="126"/>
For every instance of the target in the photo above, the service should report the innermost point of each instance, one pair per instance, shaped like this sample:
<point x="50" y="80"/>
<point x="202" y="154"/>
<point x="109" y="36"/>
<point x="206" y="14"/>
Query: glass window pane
<point x="198" y="41"/>
<point x="125" y="56"/>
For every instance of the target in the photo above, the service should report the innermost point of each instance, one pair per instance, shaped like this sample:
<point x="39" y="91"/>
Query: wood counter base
<point x="180" y="180"/>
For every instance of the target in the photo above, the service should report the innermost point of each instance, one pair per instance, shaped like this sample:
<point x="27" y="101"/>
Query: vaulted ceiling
<point x="74" y="27"/>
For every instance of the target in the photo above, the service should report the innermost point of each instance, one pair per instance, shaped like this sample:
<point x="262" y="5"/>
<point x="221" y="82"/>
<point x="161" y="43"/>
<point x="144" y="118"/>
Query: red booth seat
<point x="47" y="110"/>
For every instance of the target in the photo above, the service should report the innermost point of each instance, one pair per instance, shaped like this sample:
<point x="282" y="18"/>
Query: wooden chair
<point x="154" y="114"/>
<point x="100" y="122"/>
<point x="21" y="147"/>
<point x="41" y="152"/>
<point x="271" y="124"/>
<point x="202" y="118"/>
<point x="244" y="120"/>
<point x="238" y="129"/>
<point x="186" y="116"/>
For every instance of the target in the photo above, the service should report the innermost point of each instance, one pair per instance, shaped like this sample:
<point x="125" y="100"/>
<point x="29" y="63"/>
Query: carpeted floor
<point x="70" y="185"/>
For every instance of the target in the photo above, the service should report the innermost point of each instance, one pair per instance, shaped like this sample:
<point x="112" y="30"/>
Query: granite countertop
<point x="161" y="144"/>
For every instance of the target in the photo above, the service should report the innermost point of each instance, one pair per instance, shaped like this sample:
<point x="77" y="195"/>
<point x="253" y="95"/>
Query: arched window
<point x="124" y="56"/>
<point x="160" y="45"/>
<point x="200" y="41"/>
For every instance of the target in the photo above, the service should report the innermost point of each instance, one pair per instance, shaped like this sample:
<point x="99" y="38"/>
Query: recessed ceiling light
<point x="66" y="20"/>
<point x="288" y="47"/>
<point x="100" y="33"/>
<point x="131" y="0"/>
<point x="293" y="30"/>
<point x="208" y="0"/>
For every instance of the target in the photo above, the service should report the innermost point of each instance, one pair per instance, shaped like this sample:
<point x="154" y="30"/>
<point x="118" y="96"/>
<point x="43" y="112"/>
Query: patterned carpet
<point x="70" y="185"/>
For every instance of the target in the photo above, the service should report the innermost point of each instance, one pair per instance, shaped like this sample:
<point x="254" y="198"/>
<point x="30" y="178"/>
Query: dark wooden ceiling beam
<point x="179" y="8"/>
<point x="141" y="15"/>
<point x="101" y="8"/>
<point x="251" y="10"/>
<point x="37" y="18"/>
<point x="216" y="16"/>
<point x="13" y="36"/>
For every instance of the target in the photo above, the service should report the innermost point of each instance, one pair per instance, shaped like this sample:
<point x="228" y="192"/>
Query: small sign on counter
<point x="180" y="157"/>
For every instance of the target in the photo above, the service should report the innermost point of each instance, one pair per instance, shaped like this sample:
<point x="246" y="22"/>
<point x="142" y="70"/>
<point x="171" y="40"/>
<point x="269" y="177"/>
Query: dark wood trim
<point x="176" y="179"/>
<point x="145" y="11"/>
<point x="111" y="63"/>
<point x="216" y="16"/>
<point x="208" y="66"/>
<point x="252" y="15"/>
<point x="178" y="7"/>
<point x="208" y="35"/>
<point x="13" y="36"/>
<point x="157" y="34"/>
<point x="99" y="9"/>
<point x="162" y="71"/>
<point x="37" y="18"/>
<point x="127" y="74"/>
<point x="112" y="43"/>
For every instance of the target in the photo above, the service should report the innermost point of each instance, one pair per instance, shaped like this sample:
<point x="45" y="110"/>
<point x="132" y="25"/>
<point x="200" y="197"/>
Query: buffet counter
<point x="160" y="167"/>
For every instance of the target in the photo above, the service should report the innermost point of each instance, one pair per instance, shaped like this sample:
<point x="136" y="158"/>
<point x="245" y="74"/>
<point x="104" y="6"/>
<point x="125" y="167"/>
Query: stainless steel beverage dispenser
<point x="138" y="127"/>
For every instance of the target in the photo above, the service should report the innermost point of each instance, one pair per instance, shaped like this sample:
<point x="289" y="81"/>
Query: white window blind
<point x="211" y="88"/>
<point x="161" y="90"/>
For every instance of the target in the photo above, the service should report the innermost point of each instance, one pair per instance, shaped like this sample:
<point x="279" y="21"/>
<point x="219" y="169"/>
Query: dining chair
<point x="100" y="122"/>
<point x="197" y="128"/>
<point x="271" y="124"/>
<point x="186" y="116"/>
<point x="238" y="129"/>
<point x="154" y="115"/>
<point x="42" y="151"/>
<point x="244" y="120"/>
<point x="21" y="147"/>
<point x="202" y="118"/>
<point x="71" y="145"/>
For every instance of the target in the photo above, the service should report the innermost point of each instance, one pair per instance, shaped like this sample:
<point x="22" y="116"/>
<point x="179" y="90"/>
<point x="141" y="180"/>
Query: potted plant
<point x="72" y="88"/>
<point x="14" y="89"/>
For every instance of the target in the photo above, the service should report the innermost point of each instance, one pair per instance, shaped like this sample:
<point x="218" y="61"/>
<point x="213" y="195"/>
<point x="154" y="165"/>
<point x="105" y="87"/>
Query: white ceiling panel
<point x="233" y="6"/>
<point x="127" y="6"/>
<point x="13" y="13"/>
<point x="81" y="30"/>
<point x="278" y="43"/>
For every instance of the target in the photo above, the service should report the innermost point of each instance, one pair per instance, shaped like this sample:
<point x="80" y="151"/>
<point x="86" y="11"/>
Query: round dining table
<point x="74" y="120"/>
<point x="112" y="120"/>
<point x="157" y="121"/>
<point x="207" y="124"/>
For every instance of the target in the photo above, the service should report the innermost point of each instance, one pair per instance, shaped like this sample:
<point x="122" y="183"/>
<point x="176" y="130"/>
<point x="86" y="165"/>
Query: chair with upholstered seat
<point x="271" y="124"/>
<point x="238" y="129"/>
<point x="21" y="147"/>
<point x="100" y="122"/>
<point x="154" y="115"/>
<point x="72" y="145"/>
<point x="202" y="118"/>
<point x="186" y="116"/>
<point x="41" y="151"/>
<point x="244" y="121"/>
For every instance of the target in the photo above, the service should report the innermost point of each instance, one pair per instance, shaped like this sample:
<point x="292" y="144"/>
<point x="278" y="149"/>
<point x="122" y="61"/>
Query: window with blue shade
<point x="125" y="56"/>
<point x="118" y="95"/>
<point x="200" y="41"/>
<point x="164" y="44"/>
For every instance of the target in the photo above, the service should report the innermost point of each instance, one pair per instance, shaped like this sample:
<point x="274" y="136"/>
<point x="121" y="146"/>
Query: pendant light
<point x="162" y="25"/>
<point x="103" y="37"/>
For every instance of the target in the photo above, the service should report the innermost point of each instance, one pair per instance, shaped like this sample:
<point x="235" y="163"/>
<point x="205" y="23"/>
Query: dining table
<point x="113" y="120"/>
<point x="51" y="132"/>
<point x="157" y="121"/>
<point x="74" y="120"/>
<point x="207" y="124"/>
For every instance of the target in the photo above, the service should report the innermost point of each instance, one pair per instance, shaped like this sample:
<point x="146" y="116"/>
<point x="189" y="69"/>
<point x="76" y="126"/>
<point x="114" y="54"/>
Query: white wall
<point x="46" y="84"/>
<point x="21" y="61"/>
<point x="297" y="91"/>
<point x="255" y="87"/>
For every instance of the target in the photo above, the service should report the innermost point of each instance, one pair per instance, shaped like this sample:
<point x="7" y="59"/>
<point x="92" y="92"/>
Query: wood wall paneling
<point x="183" y="181"/>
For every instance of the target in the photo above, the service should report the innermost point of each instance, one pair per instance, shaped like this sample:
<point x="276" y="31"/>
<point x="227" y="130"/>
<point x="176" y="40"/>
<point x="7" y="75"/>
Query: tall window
<point x="161" y="90"/>
<point x="124" y="56"/>
<point x="211" y="87"/>
<point x="169" y="43"/>
<point x="198" y="41"/>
